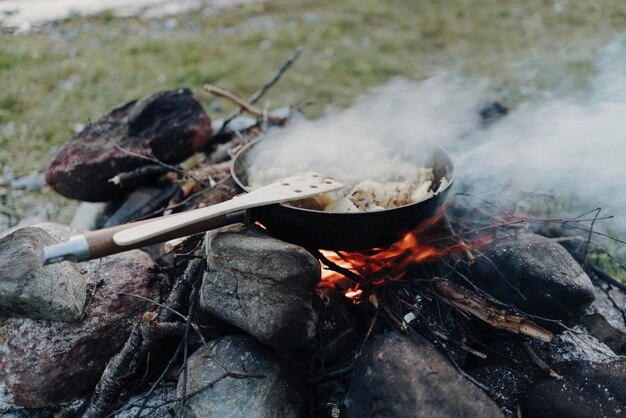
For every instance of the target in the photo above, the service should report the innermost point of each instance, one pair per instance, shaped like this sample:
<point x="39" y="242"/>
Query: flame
<point x="392" y="263"/>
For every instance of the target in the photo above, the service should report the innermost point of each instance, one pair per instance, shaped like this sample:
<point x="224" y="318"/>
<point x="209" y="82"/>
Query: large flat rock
<point x="262" y="285"/>
<point x="401" y="377"/>
<point x="536" y="275"/>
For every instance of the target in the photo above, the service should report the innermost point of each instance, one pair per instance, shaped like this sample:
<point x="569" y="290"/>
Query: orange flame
<point x="380" y="265"/>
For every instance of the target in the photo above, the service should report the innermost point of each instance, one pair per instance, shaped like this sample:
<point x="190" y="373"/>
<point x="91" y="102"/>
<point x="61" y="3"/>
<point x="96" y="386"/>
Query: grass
<point x="81" y="68"/>
<point x="77" y="70"/>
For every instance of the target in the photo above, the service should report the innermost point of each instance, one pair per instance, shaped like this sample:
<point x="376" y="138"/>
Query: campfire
<point x="462" y="308"/>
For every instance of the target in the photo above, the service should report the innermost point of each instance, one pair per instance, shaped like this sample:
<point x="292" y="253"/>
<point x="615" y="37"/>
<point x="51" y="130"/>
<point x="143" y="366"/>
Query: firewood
<point x="489" y="312"/>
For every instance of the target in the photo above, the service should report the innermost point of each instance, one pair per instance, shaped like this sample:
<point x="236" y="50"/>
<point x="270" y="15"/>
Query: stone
<point x="168" y="125"/>
<point x="508" y="384"/>
<point x="261" y="285"/>
<point x="141" y="202"/>
<point x="577" y="344"/>
<point x="29" y="289"/>
<point x="44" y="362"/>
<point x="88" y="215"/>
<point x="586" y="390"/>
<point x="398" y="376"/>
<point x="605" y="319"/>
<point x="492" y="112"/>
<point x="276" y="394"/>
<point x="535" y="275"/>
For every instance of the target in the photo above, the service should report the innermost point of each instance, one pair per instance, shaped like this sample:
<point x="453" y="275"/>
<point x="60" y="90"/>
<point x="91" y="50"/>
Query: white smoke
<point x="574" y="147"/>
<point x="379" y="137"/>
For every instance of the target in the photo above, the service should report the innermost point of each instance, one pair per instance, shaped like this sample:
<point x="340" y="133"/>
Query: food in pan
<point x="414" y="185"/>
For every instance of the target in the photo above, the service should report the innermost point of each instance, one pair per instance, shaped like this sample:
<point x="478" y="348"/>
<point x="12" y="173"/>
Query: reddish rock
<point x="169" y="125"/>
<point x="44" y="362"/>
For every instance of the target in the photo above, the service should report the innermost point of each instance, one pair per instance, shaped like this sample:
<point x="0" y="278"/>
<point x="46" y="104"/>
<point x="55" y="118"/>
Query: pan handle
<point x="100" y="243"/>
<point x="109" y="241"/>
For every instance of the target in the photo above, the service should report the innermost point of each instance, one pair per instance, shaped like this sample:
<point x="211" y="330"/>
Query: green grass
<point x="85" y="66"/>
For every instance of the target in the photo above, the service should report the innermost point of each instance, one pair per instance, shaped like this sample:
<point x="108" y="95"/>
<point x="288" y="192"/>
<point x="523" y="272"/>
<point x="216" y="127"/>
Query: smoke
<point x="378" y="138"/>
<point x="575" y="147"/>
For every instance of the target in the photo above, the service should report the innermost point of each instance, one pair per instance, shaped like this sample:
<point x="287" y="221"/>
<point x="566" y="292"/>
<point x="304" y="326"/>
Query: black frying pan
<point x="347" y="231"/>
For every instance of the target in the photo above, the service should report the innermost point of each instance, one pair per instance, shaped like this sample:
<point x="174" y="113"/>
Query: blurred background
<point x="65" y="62"/>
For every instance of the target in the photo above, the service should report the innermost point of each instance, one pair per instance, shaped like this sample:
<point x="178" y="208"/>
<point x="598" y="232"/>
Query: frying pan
<point x="315" y="229"/>
<point x="308" y="228"/>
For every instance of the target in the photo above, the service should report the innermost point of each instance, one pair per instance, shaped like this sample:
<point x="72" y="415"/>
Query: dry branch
<point x="121" y="366"/>
<point x="492" y="314"/>
<point x="242" y="103"/>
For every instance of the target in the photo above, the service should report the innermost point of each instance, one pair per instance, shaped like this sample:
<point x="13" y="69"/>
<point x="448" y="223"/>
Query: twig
<point x="342" y="270"/>
<point x="605" y="277"/>
<point x="181" y="287"/>
<point x="489" y="312"/>
<point x="138" y="174"/>
<point x="121" y="366"/>
<point x="586" y="250"/>
<point x="159" y="380"/>
<point x="468" y="253"/>
<point x="258" y="94"/>
<point x="186" y="200"/>
<point x="526" y="220"/>
<point x="194" y="301"/>
<point x="539" y="362"/>
<point x="180" y="315"/>
<point x="243" y="104"/>
<point x="460" y="344"/>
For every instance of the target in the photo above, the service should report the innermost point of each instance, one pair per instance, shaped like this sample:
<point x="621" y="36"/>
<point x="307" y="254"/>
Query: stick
<point x="243" y="104"/>
<point x="121" y="366"/>
<point x="258" y="94"/>
<point x="488" y="312"/>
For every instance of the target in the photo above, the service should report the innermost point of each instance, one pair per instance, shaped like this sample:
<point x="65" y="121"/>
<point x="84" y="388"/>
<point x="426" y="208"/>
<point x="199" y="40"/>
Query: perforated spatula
<point x="139" y="234"/>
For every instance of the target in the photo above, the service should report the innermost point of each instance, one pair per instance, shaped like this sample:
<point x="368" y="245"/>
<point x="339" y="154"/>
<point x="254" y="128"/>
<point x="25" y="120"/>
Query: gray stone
<point x="577" y="344"/>
<point x="88" y="215"/>
<point x="401" y="377"/>
<point x="275" y="395"/>
<point x="261" y="285"/>
<point x="44" y="362"/>
<point x="536" y="275"/>
<point x="605" y="319"/>
<point x="29" y="289"/>
<point x="587" y="390"/>
<point x="141" y="202"/>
